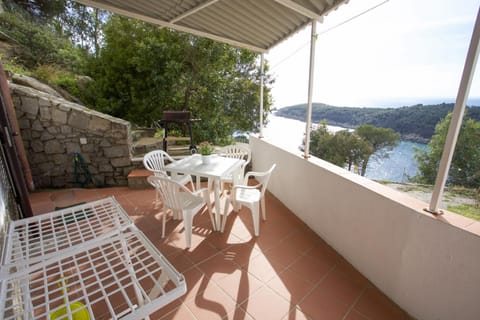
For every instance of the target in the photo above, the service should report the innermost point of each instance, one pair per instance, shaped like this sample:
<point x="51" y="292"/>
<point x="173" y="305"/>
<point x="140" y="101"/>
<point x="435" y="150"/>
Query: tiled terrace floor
<point x="288" y="272"/>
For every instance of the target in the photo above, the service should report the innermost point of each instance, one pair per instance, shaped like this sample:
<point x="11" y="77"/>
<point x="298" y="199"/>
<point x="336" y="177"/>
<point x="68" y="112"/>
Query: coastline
<point x="411" y="137"/>
<point x="398" y="167"/>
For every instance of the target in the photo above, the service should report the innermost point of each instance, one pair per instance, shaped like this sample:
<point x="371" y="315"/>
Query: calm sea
<point x="399" y="166"/>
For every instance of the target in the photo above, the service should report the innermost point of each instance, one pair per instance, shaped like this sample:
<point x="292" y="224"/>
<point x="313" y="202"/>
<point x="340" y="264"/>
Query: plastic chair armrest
<point x="245" y="187"/>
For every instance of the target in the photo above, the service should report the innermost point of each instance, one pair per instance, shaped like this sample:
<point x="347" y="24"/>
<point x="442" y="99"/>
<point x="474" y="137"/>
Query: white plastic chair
<point x="251" y="197"/>
<point x="236" y="151"/>
<point x="154" y="161"/>
<point x="181" y="201"/>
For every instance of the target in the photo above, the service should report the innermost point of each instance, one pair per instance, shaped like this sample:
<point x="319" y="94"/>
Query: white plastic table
<point x="91" y="257"/>
<point x="217" y="168"/>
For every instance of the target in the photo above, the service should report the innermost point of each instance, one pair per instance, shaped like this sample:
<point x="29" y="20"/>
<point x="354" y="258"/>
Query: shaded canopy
<point x="256" y="25"/>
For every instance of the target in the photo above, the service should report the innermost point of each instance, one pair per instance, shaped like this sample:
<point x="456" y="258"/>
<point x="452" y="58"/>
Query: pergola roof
<point x="256" y="25"/>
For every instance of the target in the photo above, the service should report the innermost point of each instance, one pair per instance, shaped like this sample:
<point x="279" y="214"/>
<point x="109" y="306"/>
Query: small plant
<point x="160" y="133"/>
<point x="205" y="148"/>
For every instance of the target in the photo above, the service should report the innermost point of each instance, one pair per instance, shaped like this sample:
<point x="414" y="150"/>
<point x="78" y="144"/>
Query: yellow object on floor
<point x="76" y="309"/>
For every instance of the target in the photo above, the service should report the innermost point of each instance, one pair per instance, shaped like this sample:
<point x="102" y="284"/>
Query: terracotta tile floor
<point x="288" y="272"/>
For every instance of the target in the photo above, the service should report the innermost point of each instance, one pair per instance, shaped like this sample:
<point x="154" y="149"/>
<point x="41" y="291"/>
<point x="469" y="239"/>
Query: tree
<point x="347" y="149"/>
<point x="379" y="139"/>
<point x="81" y="24"/>
<point x="321" y="145"/>
<point x="38" y="44"/>
<point x="465" y="167"/>
<point x="142" y="70"/>
<point x="354" y="149"/>
<point x="344" y="149"/>
<point x="41" y="9"/>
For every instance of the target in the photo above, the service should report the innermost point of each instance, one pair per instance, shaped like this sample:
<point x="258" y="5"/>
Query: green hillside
<point x="416" y="123"/>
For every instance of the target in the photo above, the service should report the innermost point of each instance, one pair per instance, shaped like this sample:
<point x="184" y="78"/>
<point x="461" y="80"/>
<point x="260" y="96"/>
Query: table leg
<point x="216" y="189"/>
<point x="197" y="178"/>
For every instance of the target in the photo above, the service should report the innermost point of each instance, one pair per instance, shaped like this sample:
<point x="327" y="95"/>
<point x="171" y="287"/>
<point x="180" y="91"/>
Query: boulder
<point x="34" y="83"/>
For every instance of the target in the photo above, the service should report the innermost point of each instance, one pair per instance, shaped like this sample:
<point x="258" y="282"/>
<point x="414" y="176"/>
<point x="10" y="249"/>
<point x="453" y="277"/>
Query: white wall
<point x="427" y="265"/>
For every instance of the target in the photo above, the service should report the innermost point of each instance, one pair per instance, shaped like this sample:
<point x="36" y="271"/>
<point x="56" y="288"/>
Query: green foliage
<point x="139" y="69"/>
<point x="11" y="64"/>
<point x="351" y="149"/>
<point x="38" y="44"/>
<point x="466" y="210"/>
<point x="241" y="139"/>
<point x="415" y="123"/>
<point x="143" y="70"/>
<point x="159" y="134"/>
<point x="81" y="24"/>
<point x="379" y="139"/>
<point x="465" y="167"/>
<point x="42" y="9"/>
<point x="205" y="148"/>
<point x="59" y="78"/>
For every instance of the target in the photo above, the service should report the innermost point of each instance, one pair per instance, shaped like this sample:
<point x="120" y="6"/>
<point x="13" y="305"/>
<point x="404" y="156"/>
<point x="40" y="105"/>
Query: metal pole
<point x="262" y="67"/>
<point x="310" y="89"/>
<point x="457" y="117"/>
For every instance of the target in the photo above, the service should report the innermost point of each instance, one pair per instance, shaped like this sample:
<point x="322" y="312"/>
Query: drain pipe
<point x="457" y="118"/>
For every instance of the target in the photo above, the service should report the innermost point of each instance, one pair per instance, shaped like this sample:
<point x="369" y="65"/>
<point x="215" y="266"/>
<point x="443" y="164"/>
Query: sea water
<point x="399" y="166"/>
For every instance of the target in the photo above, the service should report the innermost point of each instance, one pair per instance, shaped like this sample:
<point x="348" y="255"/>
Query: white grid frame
<point x="108" y="265"/>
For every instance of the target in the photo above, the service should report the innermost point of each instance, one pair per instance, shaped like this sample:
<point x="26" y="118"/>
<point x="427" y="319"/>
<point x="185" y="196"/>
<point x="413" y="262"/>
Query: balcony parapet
<point x="427" y="264"/>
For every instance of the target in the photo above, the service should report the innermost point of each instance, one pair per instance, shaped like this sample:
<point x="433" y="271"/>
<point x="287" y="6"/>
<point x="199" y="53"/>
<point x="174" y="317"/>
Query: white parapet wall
<point x="430" y="266"/>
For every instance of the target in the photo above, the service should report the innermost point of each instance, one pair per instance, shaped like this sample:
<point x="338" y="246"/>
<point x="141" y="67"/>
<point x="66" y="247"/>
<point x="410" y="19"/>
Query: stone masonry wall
<point x="53" y="129"/>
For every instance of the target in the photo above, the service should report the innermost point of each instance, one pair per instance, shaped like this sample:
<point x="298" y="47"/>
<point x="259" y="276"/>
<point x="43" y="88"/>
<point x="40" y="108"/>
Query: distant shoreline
<point x="411" y="138"/>
<point x="400" y="103"/>
<point x="414" y="123"/>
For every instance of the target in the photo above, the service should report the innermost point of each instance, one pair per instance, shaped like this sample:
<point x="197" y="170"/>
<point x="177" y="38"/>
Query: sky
<point x="403" y="52"/>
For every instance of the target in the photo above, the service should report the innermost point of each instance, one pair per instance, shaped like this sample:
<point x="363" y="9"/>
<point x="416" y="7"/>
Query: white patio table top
<point x="217" y="168"/>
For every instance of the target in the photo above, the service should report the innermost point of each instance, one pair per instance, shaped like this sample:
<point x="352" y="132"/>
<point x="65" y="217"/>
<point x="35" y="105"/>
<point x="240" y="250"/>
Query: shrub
<point x="39" y="44"/>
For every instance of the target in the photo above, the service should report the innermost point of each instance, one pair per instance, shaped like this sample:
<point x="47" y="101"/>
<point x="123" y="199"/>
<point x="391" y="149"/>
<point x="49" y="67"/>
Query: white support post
<point x="457" y="118"/>
<point x="313" y="39"/>
<point x="262" y="67"/>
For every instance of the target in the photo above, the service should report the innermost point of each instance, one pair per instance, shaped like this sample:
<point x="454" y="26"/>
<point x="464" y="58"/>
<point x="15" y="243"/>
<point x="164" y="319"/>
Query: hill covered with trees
<point x="415" y="123"/>
<point x="131" y="69"/>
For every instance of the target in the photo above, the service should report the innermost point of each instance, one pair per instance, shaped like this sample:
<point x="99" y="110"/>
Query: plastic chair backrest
<point x="155" y="161"/>
<point x="170" y="192"/>
<point x="262" y="177"/>
<point x="237" y="151"/>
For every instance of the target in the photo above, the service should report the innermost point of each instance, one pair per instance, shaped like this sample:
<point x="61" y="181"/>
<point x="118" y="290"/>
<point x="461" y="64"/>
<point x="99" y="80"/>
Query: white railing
<point x="428" y="265"/>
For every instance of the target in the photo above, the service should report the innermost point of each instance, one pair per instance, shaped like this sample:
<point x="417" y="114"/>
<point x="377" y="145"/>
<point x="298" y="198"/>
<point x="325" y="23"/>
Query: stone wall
<point x="54" y="129"/>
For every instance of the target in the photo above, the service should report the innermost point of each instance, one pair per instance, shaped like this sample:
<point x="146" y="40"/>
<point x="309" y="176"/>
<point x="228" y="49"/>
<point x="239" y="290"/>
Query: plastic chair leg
<point x="256" y="217"/>
<point x="225" y="213"/>
<point x="264" y="212"/>
<point x="156" y="198"/>
<point x="206" y="198"/>
<point x="187" y="222"/>
<point x="164" y="218"/>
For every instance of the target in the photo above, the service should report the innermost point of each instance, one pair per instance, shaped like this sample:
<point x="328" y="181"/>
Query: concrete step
<point x="137" y="179"/>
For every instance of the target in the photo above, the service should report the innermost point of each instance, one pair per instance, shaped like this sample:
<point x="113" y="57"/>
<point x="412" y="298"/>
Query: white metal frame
<point x="457" y="118"/>
<point x="108" y="264"/>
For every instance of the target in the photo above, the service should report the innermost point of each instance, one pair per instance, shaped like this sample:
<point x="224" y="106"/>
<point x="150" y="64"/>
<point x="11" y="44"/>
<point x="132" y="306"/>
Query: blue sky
<point x="403" y="52"/>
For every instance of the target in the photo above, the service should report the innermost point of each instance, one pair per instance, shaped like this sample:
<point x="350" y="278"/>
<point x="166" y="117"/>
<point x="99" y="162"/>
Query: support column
<point x="313" y="39"/>
<point x="262" y="67"/>
<point x="457" y="118"/>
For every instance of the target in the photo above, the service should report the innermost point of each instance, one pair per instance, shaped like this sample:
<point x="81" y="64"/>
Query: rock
<point x="67" y="96"/>
<point x="34" y="83"/>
